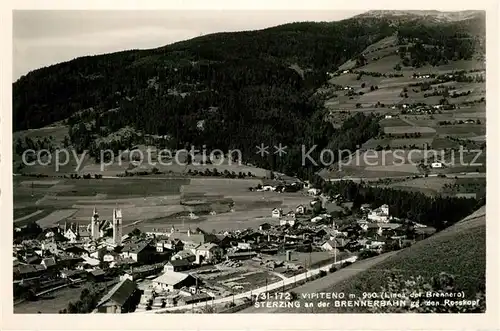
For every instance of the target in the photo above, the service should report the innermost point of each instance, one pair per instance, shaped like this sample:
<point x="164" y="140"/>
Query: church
<point x="100" y="228"/>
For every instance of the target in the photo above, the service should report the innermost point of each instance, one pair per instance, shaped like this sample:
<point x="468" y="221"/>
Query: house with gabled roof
<point x="120" y="299"/>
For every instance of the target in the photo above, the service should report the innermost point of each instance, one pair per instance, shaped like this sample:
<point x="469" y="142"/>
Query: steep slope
<point x="459" y="250"/>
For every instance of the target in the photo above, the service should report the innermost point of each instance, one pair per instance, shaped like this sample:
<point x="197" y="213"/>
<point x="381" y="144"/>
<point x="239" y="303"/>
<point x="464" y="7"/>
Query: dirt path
<point x="27" y="216"/>
<point x="410" y="123"/>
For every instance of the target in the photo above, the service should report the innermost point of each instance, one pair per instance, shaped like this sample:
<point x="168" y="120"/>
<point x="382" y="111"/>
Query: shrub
<point x="322" y="273"/>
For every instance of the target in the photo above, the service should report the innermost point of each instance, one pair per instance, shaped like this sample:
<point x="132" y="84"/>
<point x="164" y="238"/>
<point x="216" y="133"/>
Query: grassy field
<point x="459" y="250"/>
<point x="50" y="304"/>
<point x="399" y="130"/>
<point x="461" y="129"/>
<point x="388" y="122"/>
<point x="151" y="203"/>
<point x="427" y="185"/>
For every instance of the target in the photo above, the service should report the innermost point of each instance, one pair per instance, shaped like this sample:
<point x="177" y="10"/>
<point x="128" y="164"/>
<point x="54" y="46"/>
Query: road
<point x="458" y="175"/>
<point x="257" y="291"/>
<point x="28" y="216"/>
<point x="321" y="284"/>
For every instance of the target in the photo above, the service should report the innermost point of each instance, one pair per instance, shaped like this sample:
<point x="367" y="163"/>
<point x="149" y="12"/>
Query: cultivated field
<point x="151" y="203"/>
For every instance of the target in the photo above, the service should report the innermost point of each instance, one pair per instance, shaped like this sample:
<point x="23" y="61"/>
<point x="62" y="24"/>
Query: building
<point x="314" y="191"/>
<point x="287" y="221"/>
<point x="49" y="263"/>
<point x="241" y="255"/>
<point x="193" y="239"/>
<point x="117" y="227"/>
<point x="277" y="213"/>
<point x="184" y="255"/>
<point x="265" y="227"/>
<point x="192" y="299"/>
<point x="177" y="265"/>
<point x="137" y="251"/>
<point x="334" y="243"/>
<point x="94" y="225"/>
<point x="379" y="215"/>
<point x="50" y="246"/>
<point x="208" y="251"/>
<point x="175" y="245"/>
<point x="98" y="228"/>
<point x="172" y="280"/>
<point x="71" y="232"/>
<point x="120" y="299"/>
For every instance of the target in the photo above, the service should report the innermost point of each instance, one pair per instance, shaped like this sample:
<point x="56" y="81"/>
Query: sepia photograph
<point x="248" y="162"/>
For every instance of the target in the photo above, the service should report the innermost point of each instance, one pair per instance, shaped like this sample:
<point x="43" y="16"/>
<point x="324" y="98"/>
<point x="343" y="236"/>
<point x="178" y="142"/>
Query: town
<point x="168" y="268"/>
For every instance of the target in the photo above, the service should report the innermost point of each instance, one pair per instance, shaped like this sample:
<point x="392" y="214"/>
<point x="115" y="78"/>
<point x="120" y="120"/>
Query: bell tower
<point x="117" y="227"/>
<point x="94" y="225"/>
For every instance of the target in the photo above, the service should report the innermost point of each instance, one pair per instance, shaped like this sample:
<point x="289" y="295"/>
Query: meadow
<point x="151" y="203"/>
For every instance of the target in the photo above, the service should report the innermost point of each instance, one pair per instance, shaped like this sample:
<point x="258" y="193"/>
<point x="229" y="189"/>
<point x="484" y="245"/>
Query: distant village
<point x="169" y="267"/>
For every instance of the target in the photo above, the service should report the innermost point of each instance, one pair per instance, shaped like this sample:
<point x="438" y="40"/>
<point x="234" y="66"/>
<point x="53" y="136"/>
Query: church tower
<point x="94" y="225"/>
<point x="117" y="227"/>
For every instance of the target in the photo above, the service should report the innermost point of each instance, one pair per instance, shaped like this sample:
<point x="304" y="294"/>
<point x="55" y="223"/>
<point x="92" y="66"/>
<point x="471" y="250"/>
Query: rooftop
<point x="120" y="293"/>
<point x="171" y="278"/>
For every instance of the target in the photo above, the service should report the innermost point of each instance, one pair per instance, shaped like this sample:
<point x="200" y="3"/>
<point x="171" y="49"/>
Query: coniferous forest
<point x="243" y="88"/>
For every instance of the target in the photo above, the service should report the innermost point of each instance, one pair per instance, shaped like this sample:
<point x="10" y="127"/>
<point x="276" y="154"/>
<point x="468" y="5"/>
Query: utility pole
<point x="335" y="250"/>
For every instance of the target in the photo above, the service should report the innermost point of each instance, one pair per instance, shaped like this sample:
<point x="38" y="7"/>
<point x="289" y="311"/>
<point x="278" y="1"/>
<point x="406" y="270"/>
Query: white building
<point x="289" y="221"/>
<point x="314" y="191"/>
<point x="171" y="281"/>
<point x="379" y="215"/>
<point x="50" y="246"/>
<point x="316" y="219"/>
<point x="277" y="213"/>
<point x="300" y="209"/>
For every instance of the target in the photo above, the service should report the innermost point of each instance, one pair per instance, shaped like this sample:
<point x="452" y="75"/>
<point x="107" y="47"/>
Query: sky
<point x="42" y="38"/>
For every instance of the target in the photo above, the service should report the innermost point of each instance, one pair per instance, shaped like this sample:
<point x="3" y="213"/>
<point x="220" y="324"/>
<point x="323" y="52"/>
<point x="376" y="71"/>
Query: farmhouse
<point x="300" y="209"/>
<point x="379" y="215"/>
<point x="171" y="281"/>
<point x="436" y="165"/>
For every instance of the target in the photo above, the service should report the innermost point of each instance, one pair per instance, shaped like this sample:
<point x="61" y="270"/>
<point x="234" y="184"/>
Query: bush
<point x="322" y="273"/>
<point x="332" y="269"/>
